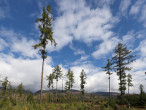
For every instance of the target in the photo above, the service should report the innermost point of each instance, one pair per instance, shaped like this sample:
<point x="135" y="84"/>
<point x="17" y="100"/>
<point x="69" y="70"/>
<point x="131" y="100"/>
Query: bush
<point x="5" y="102"/>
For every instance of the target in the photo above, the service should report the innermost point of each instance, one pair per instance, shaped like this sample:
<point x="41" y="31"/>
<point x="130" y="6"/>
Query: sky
<point x="86" y="32"/>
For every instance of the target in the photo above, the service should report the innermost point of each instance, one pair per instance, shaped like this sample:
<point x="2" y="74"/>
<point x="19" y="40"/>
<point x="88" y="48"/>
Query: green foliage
<point x="142" y="96"/>
<point x="20" y="89"/>
<point x="50" y="79"/>
<point x="30" y="98"/>
<point x="83" y="81"/>
<point x="10" y="89"/>
<point x="45" y="27"/>
<point x="13" y="100"/>
<point x="69" y="83"/>
<point x="5" y="86"/>
<point x="122" y="57"/>
<point x="129" y="81"/>
<point x="5" y="102"/>
<point x="108" y="68"/>
<point x="57" y="73"/>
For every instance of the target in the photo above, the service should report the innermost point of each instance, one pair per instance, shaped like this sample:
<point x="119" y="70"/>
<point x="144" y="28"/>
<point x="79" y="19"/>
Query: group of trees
<point x="119" y="62"/>
<point x="9" y="90"/>
<point x="57" y="74"/>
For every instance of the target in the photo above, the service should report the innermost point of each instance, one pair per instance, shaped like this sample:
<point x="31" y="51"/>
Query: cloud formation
<point x="77" y="21"/>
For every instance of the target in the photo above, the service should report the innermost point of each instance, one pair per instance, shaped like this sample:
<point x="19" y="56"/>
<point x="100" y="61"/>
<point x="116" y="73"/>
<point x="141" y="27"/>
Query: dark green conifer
<point x="121" y="60"/>
<point x="83" y="82"/>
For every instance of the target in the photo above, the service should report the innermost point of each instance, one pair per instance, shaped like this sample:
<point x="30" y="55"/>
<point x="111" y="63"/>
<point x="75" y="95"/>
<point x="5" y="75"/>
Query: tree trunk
<point x="52" y="95"/>
<point x="49" y="96"/>
<point x="109" y="93"/>
<point x="128" y="91"/>
<point x="42" y="82"/>
<point x="56" y="91"/>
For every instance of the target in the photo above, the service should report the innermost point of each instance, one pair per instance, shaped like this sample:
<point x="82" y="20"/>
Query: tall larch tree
<point x="83" y="82"/>
<point x="45" y="27"/>
<point x="70" y="82"/>
<point x="10" y="89"/>
<point x="57" y="75"/>
<point x="108" y="69"/>
<point x="50" y="81"/>
<point x="121" y="60"/>
<point x="129" y="81"/>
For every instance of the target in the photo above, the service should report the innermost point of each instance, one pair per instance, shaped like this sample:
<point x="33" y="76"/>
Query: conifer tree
<point x="142" y="102"/>
<point x="121" y="59"/>
<point x="69" y="82"/>
<point x="108" y="68"/>
<point x="50" y="79"/>
<point x="5" y="86"/>
<point x="57" y="73"/>
<point x="45" y="27"/>
<point x="83" y="82"/>
<point x="20" y="89"/>
<point x="10" y="88"/>
<point x="129" y="81"/>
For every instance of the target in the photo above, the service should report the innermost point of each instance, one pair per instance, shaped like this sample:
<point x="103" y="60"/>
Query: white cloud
<point x="142" y="48"/>
<point x="77" y="21"/>
<point x="3" y="44"/>
<point x="24" y="70"/>
<point x="138" y="78"/>
<point x="18" y="43"/>
<point x="139" y="11"/>
<point x="140" y="64"/>
<point x="129" y="39"/>
<point x="24" y="47"/>
<point x="100" y="3"/>
<point x="124" y="6"/>
<point x="136" y="7"/>
<point x="105" y="48"/>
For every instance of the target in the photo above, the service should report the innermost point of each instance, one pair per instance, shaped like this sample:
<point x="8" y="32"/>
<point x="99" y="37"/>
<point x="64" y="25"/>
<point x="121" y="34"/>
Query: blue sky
<point x="86" y="32"/>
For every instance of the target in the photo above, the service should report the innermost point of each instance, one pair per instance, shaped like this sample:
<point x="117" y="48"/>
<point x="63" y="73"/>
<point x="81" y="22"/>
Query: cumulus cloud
<point x="24" y="70"/>
<point x="77" y="21"/>
<point x="17" y="43"/>
<point x="105" y="48"/>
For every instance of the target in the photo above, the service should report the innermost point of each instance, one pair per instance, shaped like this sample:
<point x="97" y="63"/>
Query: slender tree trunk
<point x="128" y="91"/>
<point x="42" y="82"/>
<point x="56" y="91"/>
<point x="83" y="98"/>
<point x="52" y="95"/>
<point x="70" y="96"/>
<point x="109" y="93"/>
<point x="62" y="85"/>
<point x="49" y="96"/>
